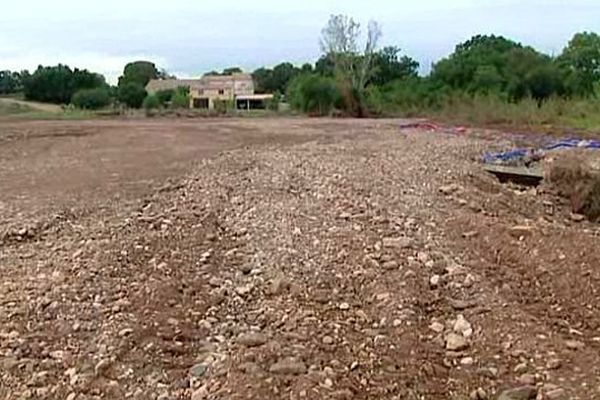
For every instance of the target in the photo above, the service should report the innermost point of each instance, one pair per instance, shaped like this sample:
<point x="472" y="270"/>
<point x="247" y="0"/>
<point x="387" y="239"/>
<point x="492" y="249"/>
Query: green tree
<point x="389" y="66"/>
<point x="91" y="99"/>
<point x="581" y="59"/>
<point x="313" y="94"/>
<point x="139" y="72"/>
<point x="58" y="84"/>
<point x="10" y="82"/>
<point x="132" y="94"/>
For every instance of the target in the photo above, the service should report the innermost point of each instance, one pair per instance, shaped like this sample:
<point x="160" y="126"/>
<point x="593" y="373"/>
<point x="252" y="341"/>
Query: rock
<point x="390" y="265"/>
<point x="478" y="394"/>
<point x="556" y="394"/>
<point x="396" y="323"/>
<point x="288" y="366"/>
<point x="456" y="342"/>
<point x="125" y="332"/>
<point x="246" y="269"/>
<point x="463" y="326"/>
<point x="519" y="393"/>
<point x="447" y="190"/>
<point x="521" y="368"/>
<point x="250" y="368"/>
<point x="554" y="363"/>
<point x="437" y="327"/>
<point x="200" y="394"/>
<point x="279" y="285"/>
<point x="521" y="231"/>
<point x="71" y="396"/>
<point x="243" y="290"/>
<point x="434" y="281"/>
<point x="198" y="370"/>
<point x="574" y="345"/>
<point x="328" y="383"/>
<point x="467" y="361"/>
<point x="344" y="306"/>
<point x="398" y="243"/>
<point x="327" y="340"/>
<point x="577" y="217"/>
<point x="101" y="367"/>
<point x="252" y="339"/>
<point x="527" y="379"/>
<point x="470" y="234"/>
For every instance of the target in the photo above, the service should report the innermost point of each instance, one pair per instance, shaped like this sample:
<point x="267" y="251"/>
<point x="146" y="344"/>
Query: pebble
<point x="328" y="383"/>
<point x="467" y="361"/>
<point x="437" y="327"/>
<point x="527" y="379"/>
<point x="520" y="231"/>
<point x="252" y="339"/>
<point x="328" y="340"/>
<point x="556" y="394"/>
<point x="449" y="189"/>
<point x="390" y="265"/>
<point x="398" y="243"/>
<point x="574" y="345"/>
<point x="344" y="306"/>
<point x="288" y="366"/>
<point x="198" y="370"/>
<point x="463" y="326"/>
<point x="434" y="281"/>
<point x="456" y="342"/>
<point x="577" y="217"/>
<point x="101" y="367"/>
<point x="521" y="368"/>
<point x="519" y="393"/>
<point x="554" y="363"/>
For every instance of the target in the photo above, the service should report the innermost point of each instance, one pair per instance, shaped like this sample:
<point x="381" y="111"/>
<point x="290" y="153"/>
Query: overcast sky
<point x="189" y="37"/>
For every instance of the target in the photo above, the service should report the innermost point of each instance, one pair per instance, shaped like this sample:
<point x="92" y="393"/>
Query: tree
<point x="231" y="71"/>
<point x="388" y="66"/>
<point x="58" y="84"/>
<point x="276" y="79"/>
<point x="132" y="94"/>
<point x="91" y="99"/>
<point x="10" y="82"/>
<point x="312" y="94"/>
<point x="339" y="42"/>
<point x="581" y="59"/>
<point x="139" y="72"/>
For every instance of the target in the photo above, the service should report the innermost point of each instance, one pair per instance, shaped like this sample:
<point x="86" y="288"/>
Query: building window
<point x="221" y="91"/>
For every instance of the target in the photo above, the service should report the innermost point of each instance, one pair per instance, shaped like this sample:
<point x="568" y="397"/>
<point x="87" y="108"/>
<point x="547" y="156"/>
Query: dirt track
<point x="284" y="258"/>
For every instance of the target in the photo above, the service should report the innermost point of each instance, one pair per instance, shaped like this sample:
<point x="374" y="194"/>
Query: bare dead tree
<point x="340" y="41"/>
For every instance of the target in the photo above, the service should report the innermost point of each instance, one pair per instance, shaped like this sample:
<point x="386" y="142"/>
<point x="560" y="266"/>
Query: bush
<point x="151" y="102"/>
<point x="132" y="94"/>
<point x="180" y="99"/>
<point x="313" y="94"/>
<point x="165" y="96"/>
<point x="91" y="99"/>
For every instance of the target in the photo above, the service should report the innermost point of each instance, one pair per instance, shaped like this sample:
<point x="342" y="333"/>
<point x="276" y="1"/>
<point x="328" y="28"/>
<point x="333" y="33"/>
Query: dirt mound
<point x="575" y="174"/>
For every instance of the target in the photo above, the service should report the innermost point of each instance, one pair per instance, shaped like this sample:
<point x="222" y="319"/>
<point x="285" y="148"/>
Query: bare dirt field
<point x="285" y="259"/>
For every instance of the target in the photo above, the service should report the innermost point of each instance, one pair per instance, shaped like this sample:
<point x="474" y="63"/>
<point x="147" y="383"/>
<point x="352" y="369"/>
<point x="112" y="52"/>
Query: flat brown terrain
<point x="285" y="258"/>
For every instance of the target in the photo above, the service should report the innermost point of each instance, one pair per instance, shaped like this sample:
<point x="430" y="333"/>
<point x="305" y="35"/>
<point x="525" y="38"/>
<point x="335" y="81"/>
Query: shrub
<point x="180" y="99"/>
<point x="132" y="94"/>
<point x="91" y="99"/>
<point x="165" y="96"/>
<point x="151" y="102"/>
<point x="313" y="94"/>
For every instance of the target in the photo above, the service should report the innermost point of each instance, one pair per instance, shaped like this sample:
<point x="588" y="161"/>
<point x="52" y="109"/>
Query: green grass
<point x="560" y="116"/>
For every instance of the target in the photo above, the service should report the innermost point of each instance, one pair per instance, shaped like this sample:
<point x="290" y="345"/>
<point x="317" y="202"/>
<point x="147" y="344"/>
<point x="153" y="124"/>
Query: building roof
<point x="206" y="82"/>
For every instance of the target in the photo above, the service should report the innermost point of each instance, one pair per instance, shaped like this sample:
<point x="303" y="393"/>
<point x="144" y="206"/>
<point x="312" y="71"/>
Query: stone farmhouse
<point x="208" y="91"/>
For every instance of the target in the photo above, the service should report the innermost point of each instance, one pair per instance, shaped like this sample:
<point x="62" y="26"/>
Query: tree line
<point x="353" y="76"/>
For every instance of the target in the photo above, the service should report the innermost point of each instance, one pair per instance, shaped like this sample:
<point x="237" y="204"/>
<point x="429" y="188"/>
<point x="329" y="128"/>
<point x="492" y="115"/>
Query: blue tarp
<point x="521" y="153"/>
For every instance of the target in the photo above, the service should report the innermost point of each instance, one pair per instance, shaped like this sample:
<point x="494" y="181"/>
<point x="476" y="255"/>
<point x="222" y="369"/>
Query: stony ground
<point x="312" y="259"/>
